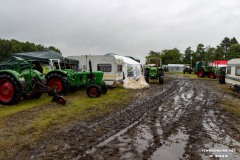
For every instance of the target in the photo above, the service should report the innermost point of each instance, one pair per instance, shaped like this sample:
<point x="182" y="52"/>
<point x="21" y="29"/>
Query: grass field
<point x="25" y="123"/>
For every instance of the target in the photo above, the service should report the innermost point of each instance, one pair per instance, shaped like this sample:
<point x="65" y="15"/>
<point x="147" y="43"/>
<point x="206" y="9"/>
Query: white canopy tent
<point x="134" y="78"/>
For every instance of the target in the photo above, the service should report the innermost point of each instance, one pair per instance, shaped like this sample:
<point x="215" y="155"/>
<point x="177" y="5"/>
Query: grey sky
<point x="125" y="27"/>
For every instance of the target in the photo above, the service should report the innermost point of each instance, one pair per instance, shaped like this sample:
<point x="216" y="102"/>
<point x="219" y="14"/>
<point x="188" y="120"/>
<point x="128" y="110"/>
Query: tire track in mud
<point x="176" y="122"/>
<point x="174" y="130"/>
<point x="76" y="141"/>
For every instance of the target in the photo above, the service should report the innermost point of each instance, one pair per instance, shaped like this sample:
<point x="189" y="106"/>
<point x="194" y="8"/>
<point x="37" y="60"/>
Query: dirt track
<point x="182" y="119"/>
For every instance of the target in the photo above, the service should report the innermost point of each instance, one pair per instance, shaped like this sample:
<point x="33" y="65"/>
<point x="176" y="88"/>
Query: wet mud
<point x="181" y="119"/>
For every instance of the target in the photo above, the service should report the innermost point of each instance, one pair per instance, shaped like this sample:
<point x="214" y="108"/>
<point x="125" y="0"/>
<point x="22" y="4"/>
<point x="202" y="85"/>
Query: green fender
<point x="15" y="74"/>
<point x="28" y="74"/>
<point x="62" y="72"/>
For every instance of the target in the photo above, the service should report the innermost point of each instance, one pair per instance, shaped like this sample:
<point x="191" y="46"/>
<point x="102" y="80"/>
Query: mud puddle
<point x="173" y="148"/>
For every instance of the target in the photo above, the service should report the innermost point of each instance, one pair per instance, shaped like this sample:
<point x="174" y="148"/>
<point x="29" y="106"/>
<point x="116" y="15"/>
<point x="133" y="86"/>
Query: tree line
<point x="8" y="47"/>
<point x="229" y="48"/>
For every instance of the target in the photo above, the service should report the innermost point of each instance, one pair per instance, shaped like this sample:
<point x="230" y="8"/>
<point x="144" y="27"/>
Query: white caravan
<point x="233" y="73"/>
<point x="111" y="65"/>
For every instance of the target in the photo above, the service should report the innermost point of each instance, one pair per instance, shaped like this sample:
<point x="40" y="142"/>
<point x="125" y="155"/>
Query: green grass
<point x="82" y="107"/>
<point x="232" y="107"/>
<point x="29" y="121"/>
<point x="23" y="105"/>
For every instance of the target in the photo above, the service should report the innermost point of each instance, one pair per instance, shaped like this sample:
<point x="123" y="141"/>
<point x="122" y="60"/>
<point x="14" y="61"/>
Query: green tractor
<point x="65" y="80"/>
<point x="18" y="79"/>
<point x="153" y="70"/>
<point x="220" y="74"/>
<point x="203" y="69"/>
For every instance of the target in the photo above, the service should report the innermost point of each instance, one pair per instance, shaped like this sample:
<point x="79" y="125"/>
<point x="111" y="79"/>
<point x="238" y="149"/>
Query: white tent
<point x="134" y="78"/>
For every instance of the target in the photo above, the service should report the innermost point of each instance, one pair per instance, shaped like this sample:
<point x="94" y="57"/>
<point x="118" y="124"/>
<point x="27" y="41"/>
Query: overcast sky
<point x="124" y="27"/>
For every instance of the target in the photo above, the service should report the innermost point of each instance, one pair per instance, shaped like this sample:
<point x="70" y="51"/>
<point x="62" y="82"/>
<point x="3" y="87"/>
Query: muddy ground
<point x="182" y="119"/>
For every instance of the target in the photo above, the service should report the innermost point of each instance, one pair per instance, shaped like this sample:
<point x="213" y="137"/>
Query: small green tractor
<point x="203" y="69"/>
<point x="64" y="80"/>
<point x="18" y="79"/>
<point x="153" y="70"/>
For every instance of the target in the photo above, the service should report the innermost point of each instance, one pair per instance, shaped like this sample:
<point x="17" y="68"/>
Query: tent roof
<point x="44" y="55"/>
<point x="126" y="59"/>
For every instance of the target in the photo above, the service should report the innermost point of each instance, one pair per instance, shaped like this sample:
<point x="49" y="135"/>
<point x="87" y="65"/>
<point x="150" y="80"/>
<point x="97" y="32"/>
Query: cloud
<point x="125" y="27"/>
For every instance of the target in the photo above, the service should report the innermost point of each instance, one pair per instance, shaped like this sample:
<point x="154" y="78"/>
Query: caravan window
<point x="228" y="70"/>
<point x="119" y="68"/>
<point x="237" y="71"/>
<point x="104" y="67"/>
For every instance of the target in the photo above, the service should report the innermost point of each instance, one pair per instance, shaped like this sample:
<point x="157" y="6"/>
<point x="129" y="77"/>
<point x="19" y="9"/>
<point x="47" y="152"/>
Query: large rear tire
<point x="160" y="79"/>
<point x="93" y="90"/>
<point x="10" y="89"/>
<point x="58" y="82"/>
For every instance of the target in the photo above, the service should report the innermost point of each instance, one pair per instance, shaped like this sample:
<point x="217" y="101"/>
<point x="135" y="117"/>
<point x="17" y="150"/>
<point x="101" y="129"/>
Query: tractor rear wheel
<point x="222" y="80"/>
<point x="93" y="90"/>
<point x="201" y="73"/>
<point x="58" y="82"/>
<point x="10" y="89"/>
<point x="146" y="74"/>
<point x="104" y="88"/>
<point x="160" y="79"/>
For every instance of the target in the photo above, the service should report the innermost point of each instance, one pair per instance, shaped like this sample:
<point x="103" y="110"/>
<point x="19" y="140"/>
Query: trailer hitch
<point x="39" y="87"/>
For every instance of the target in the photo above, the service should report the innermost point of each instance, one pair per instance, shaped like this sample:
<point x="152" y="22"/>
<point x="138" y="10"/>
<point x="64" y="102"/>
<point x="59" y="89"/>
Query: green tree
<point x="219" y="53"/>
<point x="234" y="52"/>
<point x="7" y="47"/>
<point x="210" y="54"/>
<point x="187" y="56"/>
<point x="152" y="54"/>
<point x="172" y="56"/>
<point x="54" y="49"/>
<point x="199" y="54"/>
<point x="225" y="44"/>
<point x="233" y="41"/>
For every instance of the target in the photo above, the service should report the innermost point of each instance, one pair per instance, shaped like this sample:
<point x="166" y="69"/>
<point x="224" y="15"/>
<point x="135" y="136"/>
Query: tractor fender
<point x="63" y="73"/>
<point x="15" y="74"/>
<point x="34" y="73"/>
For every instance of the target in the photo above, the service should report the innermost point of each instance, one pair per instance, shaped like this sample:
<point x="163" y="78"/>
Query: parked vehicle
<point x="111" y="65"/>
<point x="187" y="69"/>
<point x="64" y="80"/>
<point x="220" y="74"/>
<point x="232" y="77"/>
<point x="19" y="81"/>
<point x="153" y="70"/>
<point x="203" y="69"/>
<point x="210" y="69"/>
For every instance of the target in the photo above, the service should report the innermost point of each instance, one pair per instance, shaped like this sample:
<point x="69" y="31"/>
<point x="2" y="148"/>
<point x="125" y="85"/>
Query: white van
<point x="233" y="73"/>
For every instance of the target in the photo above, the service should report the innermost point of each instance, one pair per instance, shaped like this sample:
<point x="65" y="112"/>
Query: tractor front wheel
<point x="160" y="79"/>
<point x="211" y="75"/>
<point x="93" y="90"/>
<point x="58" y="82"/>
<point x="104" y="88"/>
<point x="10" y="89"/>
<point x="221" y="80"/>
